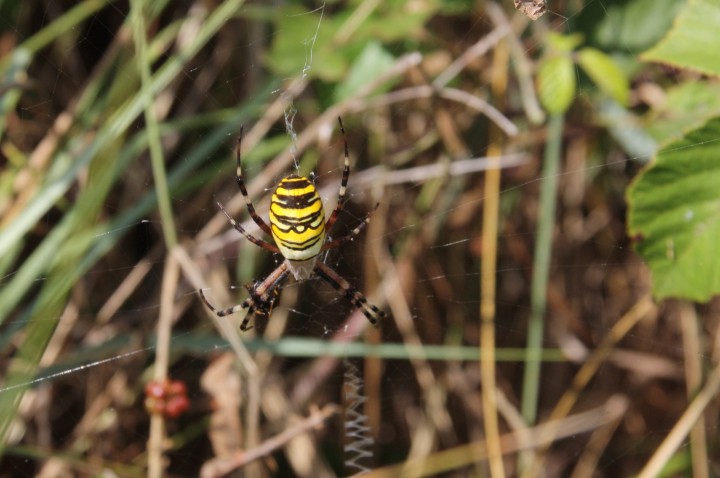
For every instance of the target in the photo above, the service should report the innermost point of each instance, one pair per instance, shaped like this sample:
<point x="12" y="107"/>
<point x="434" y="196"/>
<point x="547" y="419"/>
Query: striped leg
<point x="247" y="304"/>
<point x="241" y="184"/>
<point x="372" y="312"/>
<point x="342" y="240"/>
<point x="262" y="297"/>
<point x="343" y="183"/>
<point x="258" y="242"/>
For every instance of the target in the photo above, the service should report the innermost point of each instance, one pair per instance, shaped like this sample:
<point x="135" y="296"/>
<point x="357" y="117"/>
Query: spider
<point x="299" y="231"/>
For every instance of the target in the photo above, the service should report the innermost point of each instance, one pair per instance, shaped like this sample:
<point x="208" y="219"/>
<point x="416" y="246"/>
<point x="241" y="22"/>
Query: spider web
<point x="106" y="343"/>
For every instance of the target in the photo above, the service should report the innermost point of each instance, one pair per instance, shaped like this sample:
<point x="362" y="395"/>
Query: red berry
<point x="176" y="406"/>
<point x="177" y="387"/>
<point x="155" y="389"/>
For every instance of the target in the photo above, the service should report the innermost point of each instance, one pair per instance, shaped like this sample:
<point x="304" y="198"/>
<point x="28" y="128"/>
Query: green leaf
<point x="564" y="43"/>
<point x="674" y="215"/>
<point x="605" y="73"/>
<point x="372" y="62"/>
<point x="692" y="42"/>
<point x="628" y="130"/>
<point x="394" y="25"/>
<point x="556" y="83"/>
<point x="685" y="106"/>
<point x="325" y="45"/>
<point x="627" y="26"/>
<point x="304" y="45"/>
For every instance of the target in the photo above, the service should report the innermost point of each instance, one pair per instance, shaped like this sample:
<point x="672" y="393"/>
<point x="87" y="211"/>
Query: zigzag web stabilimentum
<point x="359" y="443"/>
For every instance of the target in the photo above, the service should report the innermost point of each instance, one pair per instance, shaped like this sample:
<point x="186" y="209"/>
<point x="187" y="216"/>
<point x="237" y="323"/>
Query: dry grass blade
<point x="222" y="466"/>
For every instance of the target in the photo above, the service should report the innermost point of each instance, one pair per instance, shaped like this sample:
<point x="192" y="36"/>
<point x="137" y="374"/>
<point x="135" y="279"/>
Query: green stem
<point x="541" y="266"/>
<point x="156" y="154"/>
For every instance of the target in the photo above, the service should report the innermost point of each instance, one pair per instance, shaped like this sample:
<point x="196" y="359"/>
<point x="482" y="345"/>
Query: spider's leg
<point x="248" y="304"/>
<point x="230" y="310"/>
<point x="241" y="184"/>
<point x="343" y="183"/>
<point x="356" y="298"/>
<point x="244" y="325"/>
<point x="258" y="242"/>
<point x="342" y="240"/>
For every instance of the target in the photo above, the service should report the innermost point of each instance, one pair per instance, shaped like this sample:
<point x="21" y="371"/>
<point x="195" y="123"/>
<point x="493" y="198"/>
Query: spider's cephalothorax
<point x="299" y="231"/>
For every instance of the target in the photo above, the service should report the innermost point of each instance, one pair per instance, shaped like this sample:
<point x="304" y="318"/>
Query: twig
<point x="488" y="271"/>
<point x="522" y="65"/>
<point x="419" y="174"/>
<point x="461" y="456"/>
<point x="643" y="307"/>
<point x="475" y="51"/>
<point x="693" y="381"/>
<point x="681" y="429"/>
<point x="222" y="466"/>
<point x="426" y="91"/>
<point x="156" y="441"/>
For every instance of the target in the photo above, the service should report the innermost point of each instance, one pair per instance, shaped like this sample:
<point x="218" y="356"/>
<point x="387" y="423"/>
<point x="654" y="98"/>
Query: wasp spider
<point x="300" y="235"/>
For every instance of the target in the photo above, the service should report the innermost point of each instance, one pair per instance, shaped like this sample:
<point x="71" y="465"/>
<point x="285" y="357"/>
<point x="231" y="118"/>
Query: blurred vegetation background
<point x="499" y="148"/>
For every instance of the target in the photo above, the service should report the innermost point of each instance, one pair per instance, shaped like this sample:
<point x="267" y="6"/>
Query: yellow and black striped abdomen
<point x="297" y="219"/>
